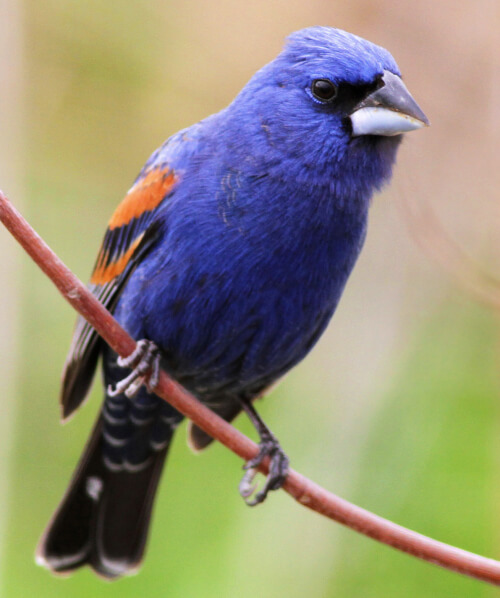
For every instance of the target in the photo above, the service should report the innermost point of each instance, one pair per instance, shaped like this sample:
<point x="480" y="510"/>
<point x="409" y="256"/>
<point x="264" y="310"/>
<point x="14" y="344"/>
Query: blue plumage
<point x="230" y="253"/>
<point x="267" y="220"/>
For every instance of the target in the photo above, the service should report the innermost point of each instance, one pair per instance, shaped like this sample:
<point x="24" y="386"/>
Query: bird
<point x="225" y="261"/>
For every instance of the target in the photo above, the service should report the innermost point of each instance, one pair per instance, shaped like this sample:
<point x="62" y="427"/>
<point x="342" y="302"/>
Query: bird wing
<point x="131" y="232"/>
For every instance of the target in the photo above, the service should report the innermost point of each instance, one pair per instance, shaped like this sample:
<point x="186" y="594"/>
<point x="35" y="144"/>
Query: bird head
<point x="334" y="107"/>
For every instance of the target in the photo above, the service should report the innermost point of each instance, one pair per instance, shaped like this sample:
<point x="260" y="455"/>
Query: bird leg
<point x="145" y="364"/>
<point x="268" y="447"/>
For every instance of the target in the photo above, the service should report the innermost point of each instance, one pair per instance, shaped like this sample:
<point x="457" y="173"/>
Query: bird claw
<point x="278" y="470"/>
<point x="145" y="364"/>
<point x="247" y="486"/>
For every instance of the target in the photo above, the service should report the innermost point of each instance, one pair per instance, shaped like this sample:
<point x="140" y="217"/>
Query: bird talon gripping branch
<point x="145" y="364"/>
<point x="247" y="486"/>
<point x="278" y="470"/>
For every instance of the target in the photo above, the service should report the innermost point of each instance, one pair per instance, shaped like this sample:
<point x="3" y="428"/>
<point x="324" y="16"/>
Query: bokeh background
<point x="396" y="409"/>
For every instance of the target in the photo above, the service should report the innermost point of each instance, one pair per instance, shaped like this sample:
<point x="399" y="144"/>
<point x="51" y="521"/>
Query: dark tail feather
<point x="103" y="519"/>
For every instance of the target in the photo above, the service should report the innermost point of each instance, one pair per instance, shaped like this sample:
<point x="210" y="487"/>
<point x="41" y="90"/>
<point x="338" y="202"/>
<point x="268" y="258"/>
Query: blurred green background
<point x="397" y="407"/>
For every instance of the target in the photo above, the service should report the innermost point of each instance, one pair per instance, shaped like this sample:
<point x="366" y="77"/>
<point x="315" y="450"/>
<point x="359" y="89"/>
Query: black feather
<point x="103" y="519"/>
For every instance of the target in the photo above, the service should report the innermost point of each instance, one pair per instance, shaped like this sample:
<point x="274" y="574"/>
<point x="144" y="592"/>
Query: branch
<point x="302" y="489"/>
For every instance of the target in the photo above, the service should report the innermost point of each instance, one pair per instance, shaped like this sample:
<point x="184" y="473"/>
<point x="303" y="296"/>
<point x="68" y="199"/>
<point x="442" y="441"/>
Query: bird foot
<point x="145" y="364"/>
<point x="278" y="470"/>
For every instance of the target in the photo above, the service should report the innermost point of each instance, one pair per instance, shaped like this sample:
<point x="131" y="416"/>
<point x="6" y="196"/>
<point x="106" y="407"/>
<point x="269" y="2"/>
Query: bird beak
<point x="389" y="110"/>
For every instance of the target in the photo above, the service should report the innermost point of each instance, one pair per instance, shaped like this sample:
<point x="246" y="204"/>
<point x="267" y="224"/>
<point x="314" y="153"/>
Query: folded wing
<point x="132" y="231"/>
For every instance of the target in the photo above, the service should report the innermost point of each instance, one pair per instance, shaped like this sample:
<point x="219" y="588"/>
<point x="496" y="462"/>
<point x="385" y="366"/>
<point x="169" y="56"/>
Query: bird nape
<point x="227" y="257"/>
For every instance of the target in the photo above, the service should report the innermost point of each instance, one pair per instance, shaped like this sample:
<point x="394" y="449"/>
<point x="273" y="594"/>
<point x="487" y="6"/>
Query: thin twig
<point x="302" y="489"/>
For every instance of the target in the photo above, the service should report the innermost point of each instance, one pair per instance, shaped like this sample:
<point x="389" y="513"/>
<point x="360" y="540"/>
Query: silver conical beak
<point x="389" y="110"/>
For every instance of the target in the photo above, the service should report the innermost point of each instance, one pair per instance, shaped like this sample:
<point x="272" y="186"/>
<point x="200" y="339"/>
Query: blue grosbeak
<point x="228" y="257"/>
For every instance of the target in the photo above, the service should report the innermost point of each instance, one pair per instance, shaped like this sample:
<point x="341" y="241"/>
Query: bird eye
<point x="324" y="90"/>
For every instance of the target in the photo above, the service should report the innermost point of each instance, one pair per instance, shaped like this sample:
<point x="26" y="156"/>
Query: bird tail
<point x="103" y="519"/>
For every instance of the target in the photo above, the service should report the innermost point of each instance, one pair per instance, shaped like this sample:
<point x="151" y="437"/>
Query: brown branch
<point x="303" y="490"/>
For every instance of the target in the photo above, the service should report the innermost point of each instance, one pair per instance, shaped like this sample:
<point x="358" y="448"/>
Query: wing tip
<point x="77" y="382"/>
<point x="69" y="400"/>
<point x="197" y="439"/>
<point x="66" y="414"/>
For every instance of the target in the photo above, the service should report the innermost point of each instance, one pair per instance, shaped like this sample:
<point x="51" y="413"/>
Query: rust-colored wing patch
<point x="129" y="222"/>
<point x="106" y="270"/>
<point x="144" y="196"/>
